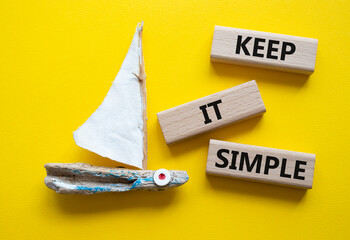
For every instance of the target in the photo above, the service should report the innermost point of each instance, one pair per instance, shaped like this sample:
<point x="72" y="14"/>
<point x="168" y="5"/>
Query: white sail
<point x="116" y="129"/>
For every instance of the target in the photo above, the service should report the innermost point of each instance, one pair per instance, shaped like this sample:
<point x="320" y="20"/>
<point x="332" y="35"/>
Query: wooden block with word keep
<point x="211" y="112"/>
<point x="263" y="164"/>
<point x="265" y="50"/>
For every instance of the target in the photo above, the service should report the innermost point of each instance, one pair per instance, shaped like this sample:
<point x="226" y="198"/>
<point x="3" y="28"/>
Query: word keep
<point x="288" y="48"/>
<point x="261" y="164"/>
<point x="211" y="112"/>
<point x="265" y="50"/>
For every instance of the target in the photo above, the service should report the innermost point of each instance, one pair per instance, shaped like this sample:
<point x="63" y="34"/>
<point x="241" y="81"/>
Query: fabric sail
<point x="115" y="129"/>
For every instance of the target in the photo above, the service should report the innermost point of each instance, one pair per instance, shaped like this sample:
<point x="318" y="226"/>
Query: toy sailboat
<point x="117" y="130"/>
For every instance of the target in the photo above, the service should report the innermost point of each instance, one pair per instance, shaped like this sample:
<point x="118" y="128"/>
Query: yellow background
<point x="57" y="62"/>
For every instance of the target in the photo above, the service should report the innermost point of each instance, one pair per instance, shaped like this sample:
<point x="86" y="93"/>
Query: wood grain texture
<point x="81" y="178"/>
<point x="234" y="104"/>
<point x="229" y="46"/>
<point x="142" y="78"/>
<point x="263" y="164"/>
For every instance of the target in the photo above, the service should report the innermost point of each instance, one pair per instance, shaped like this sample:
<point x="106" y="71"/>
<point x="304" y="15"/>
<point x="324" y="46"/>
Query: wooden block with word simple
<point x="211" y="112"/>
<point x="263" y="164"/>
<point x="265" y="50"/>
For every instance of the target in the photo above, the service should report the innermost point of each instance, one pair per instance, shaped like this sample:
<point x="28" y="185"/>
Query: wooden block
<point x="211" y="112"/>
<point x="263" y="164"/>
<point x="265" y="50"/>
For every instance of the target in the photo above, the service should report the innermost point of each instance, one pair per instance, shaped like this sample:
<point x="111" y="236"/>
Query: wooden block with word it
<point x="211" y="112"/>
<point x="263" y="164"/>
<point x="265" y="50"/>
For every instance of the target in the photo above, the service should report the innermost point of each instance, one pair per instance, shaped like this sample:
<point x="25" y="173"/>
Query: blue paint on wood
<point x="93" y="189"/>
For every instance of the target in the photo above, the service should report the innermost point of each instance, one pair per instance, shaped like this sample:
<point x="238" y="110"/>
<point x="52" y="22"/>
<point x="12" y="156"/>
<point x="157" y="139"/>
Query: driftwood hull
<point x="81" y="178"/>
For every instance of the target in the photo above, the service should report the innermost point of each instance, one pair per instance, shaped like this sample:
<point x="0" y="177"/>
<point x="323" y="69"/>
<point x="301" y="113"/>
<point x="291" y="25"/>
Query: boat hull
<point x="81" y="178"/>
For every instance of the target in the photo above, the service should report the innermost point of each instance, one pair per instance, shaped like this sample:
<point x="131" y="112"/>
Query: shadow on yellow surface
<point x="266" y="75"/>
<point x="255" y="188"/>
<point x="106" y="202"/>
<point x="92" y="158"/>
<point x="222" y="133"/>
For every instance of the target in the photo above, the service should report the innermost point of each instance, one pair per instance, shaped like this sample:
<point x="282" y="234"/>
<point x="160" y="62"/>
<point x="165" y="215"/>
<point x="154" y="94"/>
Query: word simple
<point x="266" y="50"/>
<point x="211" y="112"/>
<point x="261" y="164"/>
